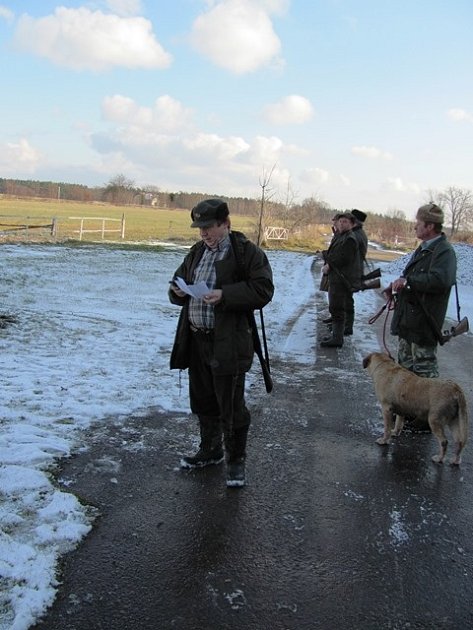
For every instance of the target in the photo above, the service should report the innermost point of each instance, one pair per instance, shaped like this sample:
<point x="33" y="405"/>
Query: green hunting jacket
<point x="345" y="261"/>
<point x="233" y="342"/>
<point x="430" y="275"/>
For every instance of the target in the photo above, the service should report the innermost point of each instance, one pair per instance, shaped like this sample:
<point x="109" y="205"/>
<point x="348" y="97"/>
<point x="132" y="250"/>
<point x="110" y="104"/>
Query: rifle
<point x="369" y="281"/>
<point x="442" y="337"/>
<point x="462" y="327"/>
<point x="263" y="359"/>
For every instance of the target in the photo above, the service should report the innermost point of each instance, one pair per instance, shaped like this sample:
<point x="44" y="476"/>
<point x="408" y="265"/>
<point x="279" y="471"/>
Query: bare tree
<point x="396" y="228"/>
<point x="312" y="211"/>
<point x="265" y="197"/>
<point x="288" y="202"/>
<point x="120" y="190"/>
<point x="458" y="206"/>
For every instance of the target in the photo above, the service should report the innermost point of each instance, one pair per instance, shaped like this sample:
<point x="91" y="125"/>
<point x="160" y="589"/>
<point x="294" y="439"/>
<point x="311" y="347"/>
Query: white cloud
<point x="459" y="115"/>
<point x="237" y="35"/>
<point x="371" y="153"/>
<point x="167" y="116"/>
<point x="91" y="40"/>
<point x="162" y="144"/>
<point x="397" y="184"/>
<point x="214" y="148"/>
<point x="18" y="158"/>
<point x="6" y="14"/>
<point x="125" y="7"/>
<point x="315" y="176"/>
<point x="292" y="109"/>
<point x="266" y="150"/>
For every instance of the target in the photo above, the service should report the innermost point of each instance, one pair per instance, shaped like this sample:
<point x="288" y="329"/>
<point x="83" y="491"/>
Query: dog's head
<point x="375" y="357"/>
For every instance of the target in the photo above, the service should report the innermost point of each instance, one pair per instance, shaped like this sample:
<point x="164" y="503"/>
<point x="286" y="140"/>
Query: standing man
<point x="214" y="339"/>
<point x="342" y="264"/>
<point x="423" y="291"/>
<point x="324" y="277"/>
<point x="362" y="240"/>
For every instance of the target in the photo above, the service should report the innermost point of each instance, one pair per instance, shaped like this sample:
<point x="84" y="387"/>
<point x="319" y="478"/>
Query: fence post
<point x="123" y="226"/>
<point x="81" y="228"/>
<point x="103" y="229"/>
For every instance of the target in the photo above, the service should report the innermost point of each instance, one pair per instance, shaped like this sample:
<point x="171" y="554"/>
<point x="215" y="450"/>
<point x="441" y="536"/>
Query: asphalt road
<point x="332" y="531"/>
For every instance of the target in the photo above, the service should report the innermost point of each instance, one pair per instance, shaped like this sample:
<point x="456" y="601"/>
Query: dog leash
<point x="388" y="307"/>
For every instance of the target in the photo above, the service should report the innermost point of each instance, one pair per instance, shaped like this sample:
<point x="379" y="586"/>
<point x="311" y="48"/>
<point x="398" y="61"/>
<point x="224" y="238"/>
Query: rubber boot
<point x="235" y="446"/>
<point x="349" y="315"/>
<point x="348" y="329"/>
<point x="336" y="340"/>
<point x="210" y="449"/>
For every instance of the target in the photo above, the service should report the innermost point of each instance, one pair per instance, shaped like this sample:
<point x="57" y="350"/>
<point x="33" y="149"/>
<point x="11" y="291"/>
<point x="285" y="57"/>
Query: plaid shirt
<point x="201" y="315"/>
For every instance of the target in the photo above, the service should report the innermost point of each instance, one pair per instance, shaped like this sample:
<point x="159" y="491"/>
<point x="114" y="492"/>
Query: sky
<point x="91" y="346"/>
<point x="365" y="104"/>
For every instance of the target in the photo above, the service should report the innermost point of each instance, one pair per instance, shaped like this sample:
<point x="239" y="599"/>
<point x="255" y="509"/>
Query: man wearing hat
<point x="214" y="339"/>
<point x="423" y="291"/>
<point x="343" y="267"/>
<point x="362" y="240"/>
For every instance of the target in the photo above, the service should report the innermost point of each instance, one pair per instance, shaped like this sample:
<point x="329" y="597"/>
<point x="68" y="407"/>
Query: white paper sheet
<point x="195" y="290"/>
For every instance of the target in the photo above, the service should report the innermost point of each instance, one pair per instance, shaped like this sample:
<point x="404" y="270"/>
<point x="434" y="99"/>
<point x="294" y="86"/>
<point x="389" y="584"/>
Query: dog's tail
<point x="462" y="426"/>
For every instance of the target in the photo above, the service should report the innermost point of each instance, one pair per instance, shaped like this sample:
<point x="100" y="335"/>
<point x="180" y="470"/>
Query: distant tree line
<point x="118" y="191"/>
<point x="393" y="228"/>
<point x="48" y="190"/>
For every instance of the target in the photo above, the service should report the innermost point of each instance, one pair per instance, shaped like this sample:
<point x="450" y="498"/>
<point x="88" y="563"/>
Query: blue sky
<point x="359" y="103"/>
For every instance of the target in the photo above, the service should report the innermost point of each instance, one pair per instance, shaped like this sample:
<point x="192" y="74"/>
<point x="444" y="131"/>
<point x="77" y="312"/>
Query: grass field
<point x="30" y="220"/>
<point x="18" y="218"/>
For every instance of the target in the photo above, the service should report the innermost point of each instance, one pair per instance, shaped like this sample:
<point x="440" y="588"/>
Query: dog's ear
<point x="366" y="361"/>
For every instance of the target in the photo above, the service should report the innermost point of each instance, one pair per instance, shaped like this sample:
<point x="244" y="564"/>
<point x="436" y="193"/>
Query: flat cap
<point x="208" y="212"/>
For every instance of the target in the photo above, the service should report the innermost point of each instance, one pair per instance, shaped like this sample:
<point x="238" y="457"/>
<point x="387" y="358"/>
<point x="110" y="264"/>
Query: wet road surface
<point x="332" y="531"/>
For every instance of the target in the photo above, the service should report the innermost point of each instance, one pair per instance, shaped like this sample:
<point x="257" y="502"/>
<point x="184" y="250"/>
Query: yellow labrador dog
<point x="402" y="393"/>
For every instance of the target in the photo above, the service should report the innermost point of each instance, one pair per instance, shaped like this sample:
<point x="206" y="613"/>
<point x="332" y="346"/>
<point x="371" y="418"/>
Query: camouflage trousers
<point x="422" y="360"/>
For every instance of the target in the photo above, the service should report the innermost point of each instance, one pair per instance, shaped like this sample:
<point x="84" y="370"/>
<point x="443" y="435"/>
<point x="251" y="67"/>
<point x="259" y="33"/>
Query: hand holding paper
<point x="194" y="290"/>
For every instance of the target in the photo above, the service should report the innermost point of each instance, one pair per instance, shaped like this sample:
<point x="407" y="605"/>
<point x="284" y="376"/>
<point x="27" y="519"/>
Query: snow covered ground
<point x="90" y="342"/>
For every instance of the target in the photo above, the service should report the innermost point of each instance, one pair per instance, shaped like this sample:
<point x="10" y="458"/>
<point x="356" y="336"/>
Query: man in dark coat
<point x="214" y="339"/>
<point x="422" y="294"/>
<point x="343" y="267"/>
<point x="362" y="240"/>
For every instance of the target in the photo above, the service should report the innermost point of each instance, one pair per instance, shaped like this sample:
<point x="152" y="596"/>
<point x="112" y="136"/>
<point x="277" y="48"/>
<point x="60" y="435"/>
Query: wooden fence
<point x="21" y="228"/>
<point x="12" y="225"/>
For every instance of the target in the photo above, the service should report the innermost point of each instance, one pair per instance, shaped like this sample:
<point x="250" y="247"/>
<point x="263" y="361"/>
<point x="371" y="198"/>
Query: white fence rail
<point x="103" y="229"/>
<point x="276" y="233"/>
